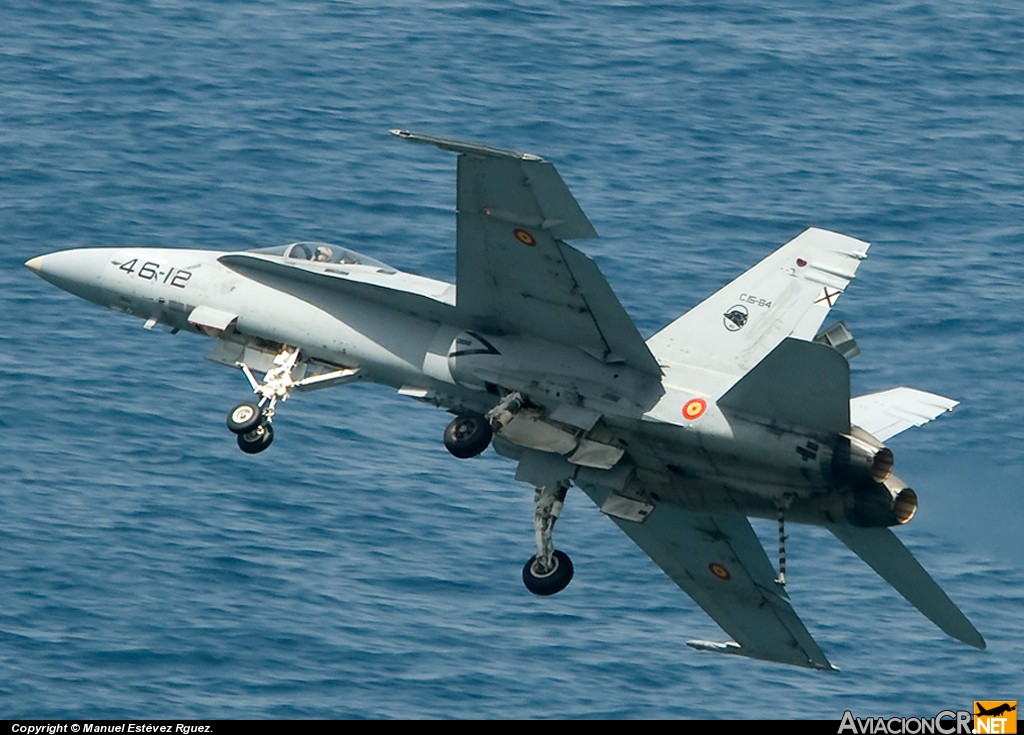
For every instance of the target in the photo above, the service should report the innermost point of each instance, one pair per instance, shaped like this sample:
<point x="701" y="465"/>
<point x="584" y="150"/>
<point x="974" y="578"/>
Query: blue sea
<point x="148" y="569"/>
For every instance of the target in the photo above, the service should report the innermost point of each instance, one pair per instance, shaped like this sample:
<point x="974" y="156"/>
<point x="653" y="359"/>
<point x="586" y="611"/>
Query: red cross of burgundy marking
<point x="828" y="294"/>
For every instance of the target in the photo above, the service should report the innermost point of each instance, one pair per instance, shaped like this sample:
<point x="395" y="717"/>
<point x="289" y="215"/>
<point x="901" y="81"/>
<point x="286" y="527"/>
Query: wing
<point x="717" y="559"/>
<point x="788" y="294"/>
<point x="514" y="274"/>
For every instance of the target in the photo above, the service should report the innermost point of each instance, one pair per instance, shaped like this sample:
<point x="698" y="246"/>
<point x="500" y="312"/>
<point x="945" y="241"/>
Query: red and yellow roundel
<point x="525" y="237"/>
<point x="694" y="408"/>
<point x="719" y="571"/>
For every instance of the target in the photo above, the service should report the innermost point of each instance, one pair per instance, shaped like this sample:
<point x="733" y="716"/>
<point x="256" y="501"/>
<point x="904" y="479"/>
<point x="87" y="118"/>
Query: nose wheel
<point x="255" y="441"/>
<point x="244" y="417"/>
<point x="251" y="421"/>
<point x="252" y="426"/>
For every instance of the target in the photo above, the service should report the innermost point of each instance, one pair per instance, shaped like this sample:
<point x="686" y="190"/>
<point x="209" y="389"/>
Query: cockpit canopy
<point x="322" y="252"/>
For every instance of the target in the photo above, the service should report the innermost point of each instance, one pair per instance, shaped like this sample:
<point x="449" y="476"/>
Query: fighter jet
<point x="739" y="408"/>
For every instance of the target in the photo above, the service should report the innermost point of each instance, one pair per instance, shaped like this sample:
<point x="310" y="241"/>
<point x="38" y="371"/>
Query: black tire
<point x="255" y="441"/>
<point x="554" y="581"/>
<point x="244" y="418"/>
<point x="467" y="435"/>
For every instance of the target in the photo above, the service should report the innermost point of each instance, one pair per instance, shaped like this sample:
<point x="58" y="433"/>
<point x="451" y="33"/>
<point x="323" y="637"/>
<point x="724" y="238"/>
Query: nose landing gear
<point x="251" y="421"/>
<point x="253" y="428"/>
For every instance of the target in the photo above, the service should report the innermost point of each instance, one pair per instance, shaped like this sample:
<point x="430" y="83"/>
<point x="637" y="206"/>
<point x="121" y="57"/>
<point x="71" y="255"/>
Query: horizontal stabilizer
<point x="839" y="338"/>
<point x="886" y="414"/>
<point x="798" y="383"/>
<point x="723" y="647"/>
<point x="886" y="554"/>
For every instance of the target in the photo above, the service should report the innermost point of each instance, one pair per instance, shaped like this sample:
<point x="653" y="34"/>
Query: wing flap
<point x="886" y="554"/>
<point x="889" y="412"/>
<point x="619" y="339"/>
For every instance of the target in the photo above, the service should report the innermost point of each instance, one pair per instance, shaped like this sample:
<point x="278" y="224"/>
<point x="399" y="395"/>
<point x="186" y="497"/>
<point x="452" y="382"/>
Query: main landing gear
<point x="470" y="433"/>
<point x="549" y="571"/>
<point x="251" y="421"/>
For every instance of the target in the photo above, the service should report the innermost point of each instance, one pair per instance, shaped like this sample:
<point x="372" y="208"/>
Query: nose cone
<point x="76" y="271"/>
<point x="36" y="264"/>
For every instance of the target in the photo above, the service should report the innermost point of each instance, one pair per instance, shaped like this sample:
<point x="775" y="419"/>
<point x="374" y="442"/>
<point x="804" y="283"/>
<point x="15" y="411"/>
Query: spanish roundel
<point x="694" y="408"/>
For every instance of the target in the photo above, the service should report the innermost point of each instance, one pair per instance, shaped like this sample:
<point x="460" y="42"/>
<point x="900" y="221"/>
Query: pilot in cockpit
<point x="323" y="254"/>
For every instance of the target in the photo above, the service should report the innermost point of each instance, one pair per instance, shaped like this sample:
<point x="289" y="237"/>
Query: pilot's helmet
<point x="323" y="254"/>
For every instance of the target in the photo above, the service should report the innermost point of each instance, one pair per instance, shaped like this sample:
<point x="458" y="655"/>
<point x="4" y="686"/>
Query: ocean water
<point x="356" y="570"/>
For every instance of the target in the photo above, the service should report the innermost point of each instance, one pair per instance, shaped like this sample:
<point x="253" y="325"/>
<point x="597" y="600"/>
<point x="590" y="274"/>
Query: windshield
<point x="322" y="252"/>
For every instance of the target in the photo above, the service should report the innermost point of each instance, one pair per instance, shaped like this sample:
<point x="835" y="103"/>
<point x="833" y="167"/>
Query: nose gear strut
<point x="251" y="421"/>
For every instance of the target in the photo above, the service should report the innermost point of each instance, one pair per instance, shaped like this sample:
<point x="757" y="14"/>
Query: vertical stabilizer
<point x="798" y="383"/>
<point x="788" y="294"/>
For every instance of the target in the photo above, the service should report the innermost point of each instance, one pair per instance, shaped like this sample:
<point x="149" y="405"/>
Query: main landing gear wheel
<point x="548" y="582"/>
<point x="255" y="441"/>
<point x="549" y="570"/>
<point x="244" y="417"/>
<point x="467" y="435"/>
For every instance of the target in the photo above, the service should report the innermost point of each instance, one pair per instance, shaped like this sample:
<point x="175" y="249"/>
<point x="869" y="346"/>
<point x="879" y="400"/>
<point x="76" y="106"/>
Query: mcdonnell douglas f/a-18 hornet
<point x="740" y="407"/>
